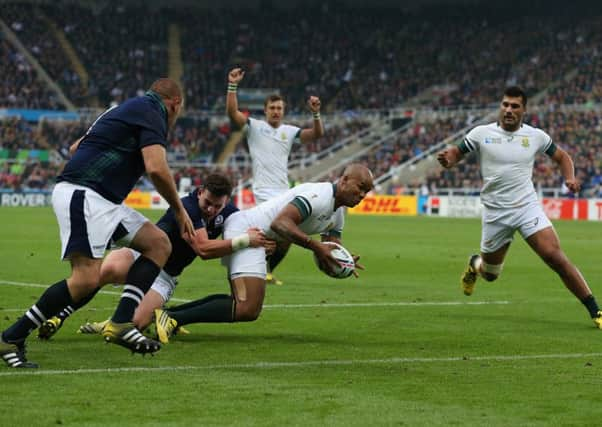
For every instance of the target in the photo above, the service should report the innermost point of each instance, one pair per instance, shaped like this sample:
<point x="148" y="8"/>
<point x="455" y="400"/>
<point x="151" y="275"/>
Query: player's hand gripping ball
<point x="343" y="257"/>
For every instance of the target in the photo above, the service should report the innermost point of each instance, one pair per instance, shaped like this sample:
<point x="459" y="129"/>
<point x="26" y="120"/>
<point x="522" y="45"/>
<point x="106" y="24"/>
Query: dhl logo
<point x="387" y="205"/>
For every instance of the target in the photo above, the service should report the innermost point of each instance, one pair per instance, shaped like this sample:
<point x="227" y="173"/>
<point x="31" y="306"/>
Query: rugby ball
<point x="345" y="259"/>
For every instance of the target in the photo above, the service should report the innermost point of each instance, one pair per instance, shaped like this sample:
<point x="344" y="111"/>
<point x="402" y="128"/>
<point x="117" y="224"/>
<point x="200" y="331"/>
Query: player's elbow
<point x="313" y="135"/>
<point x="278" y="227"/>
<point x="153" y="171"/>
<point x="237" y="119"/>
<point x="204" y="254"/>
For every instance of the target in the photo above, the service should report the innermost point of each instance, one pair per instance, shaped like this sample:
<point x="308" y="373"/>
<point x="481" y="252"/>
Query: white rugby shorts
<point x="248" y="262"/>
<point x="88" y="221"/>
<point x="499" y="225"/>
<point x="164" y="284"/>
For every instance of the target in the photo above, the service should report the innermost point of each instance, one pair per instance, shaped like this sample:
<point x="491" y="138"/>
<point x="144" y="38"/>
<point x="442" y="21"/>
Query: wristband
<point x="232" y="87"/>
<point x="316" y="115"/>
<point x="241" y="242"/>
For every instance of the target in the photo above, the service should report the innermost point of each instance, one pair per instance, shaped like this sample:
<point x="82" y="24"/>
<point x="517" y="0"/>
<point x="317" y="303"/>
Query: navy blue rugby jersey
<point x="109" y="158"/>
<point x="181" y="253"/>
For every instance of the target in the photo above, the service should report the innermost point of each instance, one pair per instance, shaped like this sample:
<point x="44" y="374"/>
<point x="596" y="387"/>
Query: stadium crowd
<point x="377" y="59"/>
<point x="34" y="32"/>
<point x="20" y="86"/>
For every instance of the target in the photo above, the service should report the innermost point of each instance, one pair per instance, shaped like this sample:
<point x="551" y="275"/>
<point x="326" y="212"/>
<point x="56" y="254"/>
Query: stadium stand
<point x="380" y="59"/>
<point x="33" y="29"/>
<point x="20" y="86"/>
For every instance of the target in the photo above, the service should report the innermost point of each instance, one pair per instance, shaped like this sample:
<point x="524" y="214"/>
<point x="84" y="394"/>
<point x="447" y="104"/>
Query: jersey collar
<point x="506" y="131"/>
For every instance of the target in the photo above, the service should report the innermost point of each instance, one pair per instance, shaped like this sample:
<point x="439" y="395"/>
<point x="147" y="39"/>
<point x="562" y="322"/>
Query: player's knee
<point x="247" y="312"/>
<point x="109" y="273"/>
<point x="84" y="281"/>
<point x="555" y="259"/>
<point x="160" y="249"/>
<point x="164" y="246"/>
<point x="491" y="272"/>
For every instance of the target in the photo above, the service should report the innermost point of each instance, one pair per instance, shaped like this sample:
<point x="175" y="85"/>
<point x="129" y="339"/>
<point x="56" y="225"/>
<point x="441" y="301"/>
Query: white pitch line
<point x="39" y="285"/>
<point x="305" y="364"/>
<point x="337" y="305"/>
<point x="320" y="305"/>
<point x="386" y="304"/>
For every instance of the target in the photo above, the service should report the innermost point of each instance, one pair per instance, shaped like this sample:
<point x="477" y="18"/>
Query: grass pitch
<point x="400" y="346"/>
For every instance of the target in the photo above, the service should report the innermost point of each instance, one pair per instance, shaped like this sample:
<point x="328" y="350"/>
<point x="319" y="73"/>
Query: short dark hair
<point x="273" y="98"/>
<point x="516" y="92"/>
<point x="219" y="185"/>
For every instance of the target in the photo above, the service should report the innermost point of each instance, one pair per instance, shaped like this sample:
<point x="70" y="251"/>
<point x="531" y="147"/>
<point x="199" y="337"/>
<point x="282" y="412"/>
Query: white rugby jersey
<point x="506" y="160"/>
<point x="270" y="148"/>
<point x="316" y="204"/>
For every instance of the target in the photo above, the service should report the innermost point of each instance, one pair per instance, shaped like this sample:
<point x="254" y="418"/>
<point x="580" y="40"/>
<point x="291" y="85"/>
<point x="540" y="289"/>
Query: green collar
<point x="155" y="96"/>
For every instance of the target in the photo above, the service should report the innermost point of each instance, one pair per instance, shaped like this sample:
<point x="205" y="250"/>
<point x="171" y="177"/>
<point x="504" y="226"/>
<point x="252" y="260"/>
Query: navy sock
<point x="52" y="300"/>
<point x="139" y="279"/>
<point x="211" y="309"/>
<point x="592" y="306"/>
<point x="70" y="309"/>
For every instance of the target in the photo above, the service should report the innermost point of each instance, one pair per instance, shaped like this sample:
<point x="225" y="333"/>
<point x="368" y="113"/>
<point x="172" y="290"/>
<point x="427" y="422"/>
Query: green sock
<point x="212" y="309"/>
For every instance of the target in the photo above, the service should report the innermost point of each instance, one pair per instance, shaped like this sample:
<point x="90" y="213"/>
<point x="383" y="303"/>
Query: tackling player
<point x="208" y="209"/>
<point x="122" y="144"/>
<point x="506" y="150"/>
<point x="291" y="217"/>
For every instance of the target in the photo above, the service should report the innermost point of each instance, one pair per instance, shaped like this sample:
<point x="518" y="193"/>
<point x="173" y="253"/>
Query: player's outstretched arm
<point x="286" y="225"/>
<point x="317" y="129"/>
<point x="567" y="168"/>
<point x="237" y="118"/>
<point x="449" y="156"/>
<point x="207" y="248"/>
<point x="157" y="169"/>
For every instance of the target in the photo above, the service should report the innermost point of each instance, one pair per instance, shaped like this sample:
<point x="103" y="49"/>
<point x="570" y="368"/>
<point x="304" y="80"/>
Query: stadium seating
<point x="379" y="59"/>
<point x="20" y="86"/>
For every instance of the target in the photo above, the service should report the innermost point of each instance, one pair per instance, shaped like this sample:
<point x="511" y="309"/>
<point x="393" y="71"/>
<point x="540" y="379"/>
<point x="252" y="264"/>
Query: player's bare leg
<point x="249" y="293"/>
<point x="145" y="312"/>
<point x="547" y="245"/>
